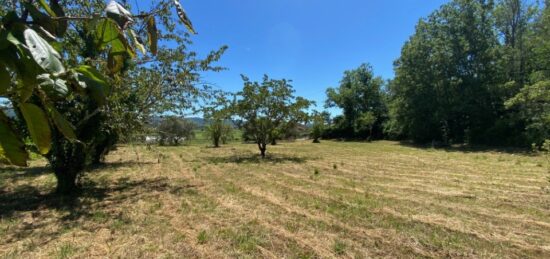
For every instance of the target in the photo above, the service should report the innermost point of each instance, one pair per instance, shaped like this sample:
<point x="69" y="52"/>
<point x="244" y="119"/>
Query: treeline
<point x="474" y="71"/>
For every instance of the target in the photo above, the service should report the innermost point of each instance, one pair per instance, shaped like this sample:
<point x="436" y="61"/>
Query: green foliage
<point x="12" y="147"/>
<point x="217" y="113"/>
<point x="532" y="104"/>
<point x="174" y="130"/>
<point x="446" y="75"/>
<point x="474" y="72"/>
<point x="36" y="119"/>
<point x="318" y="126"/>
<point x="218" y="131"/>
<point x="360" y="92"/>
<point x="339" y="248"/>
<point x="54" y="75"/>
<point x="268" y="108"/>
<point x="202" y="238"/>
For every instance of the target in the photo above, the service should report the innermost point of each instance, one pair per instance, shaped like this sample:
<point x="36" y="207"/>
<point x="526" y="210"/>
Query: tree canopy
<point x="267" y="108"/>
<point x="68" y="68"/>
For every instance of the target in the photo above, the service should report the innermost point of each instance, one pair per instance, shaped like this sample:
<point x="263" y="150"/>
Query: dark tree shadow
<point x="253" y="158"/>
<point x="117" y="165"/>
<point x="14" y="173"/>
<point x="81" y="207"/>
<point x="28" y="197"/>
<point x="468" y="148"/>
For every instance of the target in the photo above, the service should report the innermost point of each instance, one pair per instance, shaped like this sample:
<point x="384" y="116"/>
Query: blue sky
<point x="309" y="41"/>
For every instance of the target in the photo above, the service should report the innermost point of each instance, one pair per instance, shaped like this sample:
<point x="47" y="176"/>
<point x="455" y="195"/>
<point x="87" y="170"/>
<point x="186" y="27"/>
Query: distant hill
<point x="200" y="122"/>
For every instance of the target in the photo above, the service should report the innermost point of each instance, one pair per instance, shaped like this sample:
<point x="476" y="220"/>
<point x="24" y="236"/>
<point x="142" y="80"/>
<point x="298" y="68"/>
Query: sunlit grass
<point x="334" y="199"/>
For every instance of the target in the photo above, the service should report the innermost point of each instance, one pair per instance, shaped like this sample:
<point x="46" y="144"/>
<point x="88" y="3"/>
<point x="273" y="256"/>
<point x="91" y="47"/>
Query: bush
<point x="174" y="130"/>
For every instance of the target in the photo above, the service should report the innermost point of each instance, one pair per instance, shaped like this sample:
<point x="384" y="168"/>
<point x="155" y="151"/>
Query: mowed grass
<point x="334" y="199"/>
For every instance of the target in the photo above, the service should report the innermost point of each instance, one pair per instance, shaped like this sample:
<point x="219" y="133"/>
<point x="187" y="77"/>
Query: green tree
<point x="68" y="60"/>
<point x="365" y="122"/>
<point x="266" y="108"/>
<point x="445" y="82"/>
<point x="532" y="103"/>
<point x="219" y="132"/>
<point x="513" y="21"/>
<point x="359" y="92"/>
<point x="217" y="114"/>
<point x="318" y="126"/>
<point x="173" y="130"/>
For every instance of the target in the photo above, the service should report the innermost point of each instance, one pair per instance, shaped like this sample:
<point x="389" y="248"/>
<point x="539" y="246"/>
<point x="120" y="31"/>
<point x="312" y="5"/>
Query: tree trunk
<point x="66" y="182"/>
<point x="216" y="142"/>
<point x="262" y="147"/>
<point x="273" y="142"/>
<point x="316" y="141"/>
<point x="262" y="151"/>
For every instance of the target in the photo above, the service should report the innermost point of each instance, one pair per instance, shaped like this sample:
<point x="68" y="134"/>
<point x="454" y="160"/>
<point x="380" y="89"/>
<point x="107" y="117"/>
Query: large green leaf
<point x="153" y="34"/>
<point x="94" y="82"/>
<point x="183" y="17"/>
<point x="38" y="126"/>
<point x="107" y="32"/>
<point x="12" y="146"/>
<point x="43" y="53"/>
<point x="46" y="7"/>
<point x="24" y="67"/>
<point x="64" y="126"/>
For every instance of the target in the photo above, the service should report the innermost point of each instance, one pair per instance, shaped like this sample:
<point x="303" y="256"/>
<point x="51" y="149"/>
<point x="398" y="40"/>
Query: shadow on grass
<point x="117" y="165"/>
<point x="14" y="173"/>
<point x="252" y="158"/>
<point x="469" y="148"/>
<point x="94" y="204"/>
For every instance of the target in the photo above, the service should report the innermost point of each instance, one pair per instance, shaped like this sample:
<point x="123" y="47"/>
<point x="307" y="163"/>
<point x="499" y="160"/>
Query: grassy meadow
<point x="334" y="199"/>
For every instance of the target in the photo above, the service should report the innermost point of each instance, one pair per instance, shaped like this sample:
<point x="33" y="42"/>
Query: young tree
<point x="172" y="130"/>
<point x="218" y="131"/>
<point x="263" y="109"/>
<point x="318" y="126"/>
<point x="216" y="114"/>
<point x="359" y="92"/>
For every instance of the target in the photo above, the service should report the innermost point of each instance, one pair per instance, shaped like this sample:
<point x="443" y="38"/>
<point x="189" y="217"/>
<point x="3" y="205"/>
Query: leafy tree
<point x="63" y="64"/>
<point x="365" y="122"/>
<point x="513" y="21"/>
<point x="445" y="82"/>
<point x="266" y="108"/>
<point x="173" y="130"/>
<point x="217" y="113"/>
<point x="219" y="132"/>
<point x="532" y="103"/>
<point x="359" y="92"/>
<point x="318" y="126"/>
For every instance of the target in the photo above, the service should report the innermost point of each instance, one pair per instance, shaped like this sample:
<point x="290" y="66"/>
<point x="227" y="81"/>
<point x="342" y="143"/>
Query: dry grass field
<point x="335" y="199"/>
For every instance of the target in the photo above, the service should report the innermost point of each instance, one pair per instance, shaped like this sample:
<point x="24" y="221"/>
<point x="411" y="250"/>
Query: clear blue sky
<point x="309" y="41"/>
